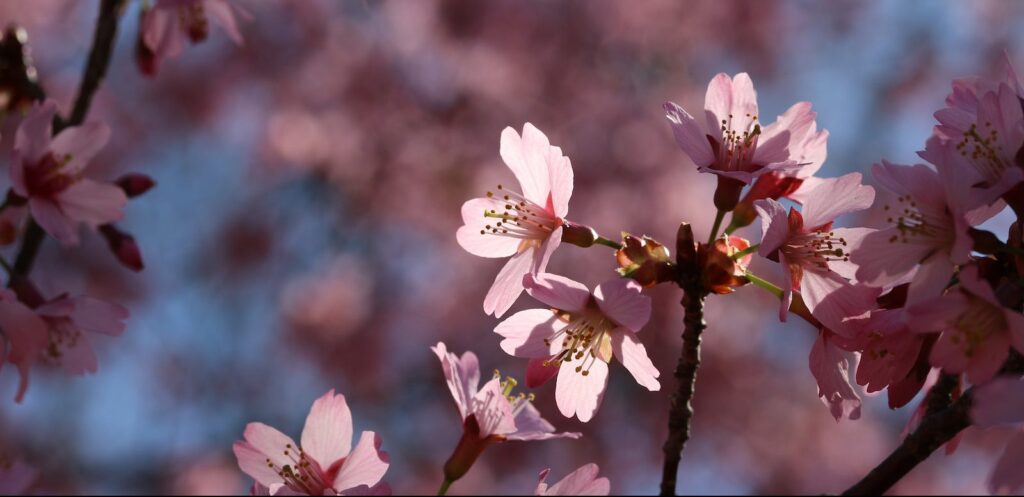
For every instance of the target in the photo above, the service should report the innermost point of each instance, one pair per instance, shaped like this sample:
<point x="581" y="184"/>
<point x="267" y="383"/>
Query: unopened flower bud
<point x="686" y="249"/>
<point x="578" y="234"/>
<point x="645" y="260"/>
<point x="720" y="273"/>
<point x="135" y="184"/>
<point x="123" y="246"/>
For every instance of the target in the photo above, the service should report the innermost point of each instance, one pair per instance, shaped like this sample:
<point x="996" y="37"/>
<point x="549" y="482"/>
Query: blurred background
<point x="302" y="234"/>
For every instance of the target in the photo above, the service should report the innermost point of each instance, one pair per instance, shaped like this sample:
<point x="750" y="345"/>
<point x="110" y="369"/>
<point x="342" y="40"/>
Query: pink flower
<point x="578" y="337"/>
<point x="1007" y="478"/>
<point x="934" y="210"/>
<point x="815" y="257"/>
<point x="499" y="415"/>
<point x="526" y="226"/>
<point x="15" y="476"/>
<point x="977" y="331"/>
<point x="24" y="337"/>
<point x="583" y="481"/>
<point x="170" y="23"/>
<point x="49" y="173"/>
<point x="1001" y="402"/>
<point x="324" y="464"/>
<point x="888" y="350"/>
<point x="70" y="322"/>
<point x="730" y="142"/>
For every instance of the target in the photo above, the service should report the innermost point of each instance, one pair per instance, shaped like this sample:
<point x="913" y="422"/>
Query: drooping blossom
<point x="24" y="338"/>
<point x="730" y="142"/>
<point x="1001" y="402"/>
<point x="525" y="226"/>
<point x="48" y="171"/>
<point x="70" y="321"/>
<point x="170" y="23"/>
<point x="490" y="413"/>
<point x="977" y="332"/>
<point x="325" y="463"/>
<point x="15" y="476"/>
<point x="577" y="338"/>
<point x="583" y="481"/>
<point x="930" y="220"/>
<point x="814" y="255"/>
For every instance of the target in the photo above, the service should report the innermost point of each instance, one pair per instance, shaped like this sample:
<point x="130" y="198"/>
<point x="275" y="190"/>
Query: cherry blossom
<point x="48" y="171"/>
<point x="578" y="337"/>
<point x="1001" y="402"/>
<point x="583" y="481"/>
<point x="525" y="226"/>
<point x="170" y="23"/>
<point x="324" y="464"/>
<point x="731" y="143"/>
<point x="70" y="321"/>
<point x="977" y="332"/>
<point x="25" y="337"/>
<point x="815" y="256"/>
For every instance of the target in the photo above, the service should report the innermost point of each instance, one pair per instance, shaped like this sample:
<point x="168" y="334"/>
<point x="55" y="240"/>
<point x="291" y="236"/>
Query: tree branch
<point x="95" y="70"/>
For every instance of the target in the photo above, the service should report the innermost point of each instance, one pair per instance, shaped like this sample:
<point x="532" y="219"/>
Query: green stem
<point x="608" y="243"/>
<point x="743" y="253"/>
<point x="765" y="284"/>
<point x="444" y="487"/>
<point x="714" y="228"/>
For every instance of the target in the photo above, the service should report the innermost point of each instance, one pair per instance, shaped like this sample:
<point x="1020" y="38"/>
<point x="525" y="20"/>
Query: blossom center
<point x="63" y="336"/>
<point x="48" y="176"/>
<point x="916" y="225"/>
<point x="977" y="324"/>
<point x="521" y="218"/>
<point x="586" y="337"/>
<point x="736" y="151"/>
<point x="984" y="151"/>
<point x="302" y="474"/>
<point x="816" y="249"/>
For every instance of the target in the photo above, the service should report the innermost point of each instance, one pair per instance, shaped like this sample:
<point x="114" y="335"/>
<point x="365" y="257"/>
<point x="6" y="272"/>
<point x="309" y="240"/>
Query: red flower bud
<point x="135" y="184"/>
<point x="124" y="247"/>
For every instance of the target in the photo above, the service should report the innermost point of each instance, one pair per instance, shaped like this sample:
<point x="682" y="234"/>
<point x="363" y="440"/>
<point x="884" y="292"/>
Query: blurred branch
<point x="681" y="411"/>
<point x="95" y="70"/>
<point x="936" y="429"/>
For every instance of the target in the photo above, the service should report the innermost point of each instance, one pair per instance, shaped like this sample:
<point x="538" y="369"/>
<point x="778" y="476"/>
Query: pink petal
<point x="509" y="283"/>
<point x="881" y="261"/>
<point x="381" y="488"/>
<point x="632" y="354"/>
<point x="931" y="279"/>
<point x="622" y="301"/>
<point x="934" y="315"/>
<point x="327" y="435"/>
<point x="272" y="444"/>
<point x="527" y="157"/>
<point x="972" y="283"/>
<point x="774" y="226"/>
<point x="835" y="302"/>
<point x="492" y="410"/>
<point x="162" y="32"/>
<point x="835" y="197"/>
<point x="97" y="316"/>
<point x="93" y="202"/>
<point x="988" y="357"/>
<point x="1007" y="478"/>
<point x="253" y="462"/>
<point x="462" y="376"/>
<point x="744" y="99"/>
<point x="779" y="138"/>
<point x="27" y="333"/>
<point x="78" y="145"/>
<point x="530" y="426"/>
<point x="854" y="238"/>
<point x="560" y="170"/>
<point x="485" y="244"/>
<point x="16" y="478"/>
<point x="831" y="370"/>
<point x="366" y="464"/>
<point x="919" y="181"/>
<point x="539" y="371"/>
<point x="525" y="333"/>
<point x="948" y="355"/>
<point x="583" y="481"/>
<point x="77" y="357"/>
<point x="579" y="395"/>
<point x="53" y="221"/>
<point x="547" y="247"/>
<point x="32" y="139"/>
<point x="17" y="174"/>
<point x="718" y="102"/>
<point x="223" y="12"/>
<point x="999" y="402"/>
<point x="689" y="135"/>
<point x="557" y="291"/>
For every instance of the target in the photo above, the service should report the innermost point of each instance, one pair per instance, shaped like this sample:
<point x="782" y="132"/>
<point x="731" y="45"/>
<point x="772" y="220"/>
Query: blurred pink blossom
<point x="583" y="481"/>
<point x="70" y="320"/>
<point x="170" y="23"/>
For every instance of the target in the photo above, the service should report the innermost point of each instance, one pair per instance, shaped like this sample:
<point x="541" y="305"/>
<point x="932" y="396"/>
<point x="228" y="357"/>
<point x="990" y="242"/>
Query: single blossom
<point x="814" y="255"/>
<point x="578" y="336"/>
<point x="170" y="23"/>
<point x="977" y="332"/>
<point x="15" y="476"/>
<point x="525" y="226"/>
<point x="70" y="321"/>
<point x="24" y="338"/>
<point x="325" y="463"/>
<point x="930" y="219"/>
<point x="583" y="481"/>
<point x="730" y="142"/>
<point x="49" y="172"/>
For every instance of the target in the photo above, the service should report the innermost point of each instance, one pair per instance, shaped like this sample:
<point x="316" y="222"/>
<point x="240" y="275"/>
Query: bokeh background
<point x="302" y="236"/>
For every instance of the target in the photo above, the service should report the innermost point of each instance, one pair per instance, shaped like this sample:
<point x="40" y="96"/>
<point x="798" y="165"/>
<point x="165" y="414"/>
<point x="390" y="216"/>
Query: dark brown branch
<point x="95" y="70"/>
<point x="681" y="410"/>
